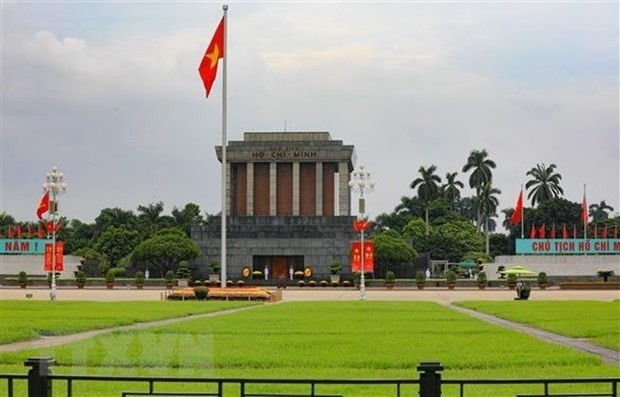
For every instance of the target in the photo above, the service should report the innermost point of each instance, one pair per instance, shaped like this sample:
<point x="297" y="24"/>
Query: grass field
<point x="598" y="322"/>
<point x="27" y="320"/>
<point x="322" y="340"/>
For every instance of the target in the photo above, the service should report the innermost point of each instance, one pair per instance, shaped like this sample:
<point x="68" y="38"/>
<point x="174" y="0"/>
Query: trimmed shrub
<point x="201" y="293"/>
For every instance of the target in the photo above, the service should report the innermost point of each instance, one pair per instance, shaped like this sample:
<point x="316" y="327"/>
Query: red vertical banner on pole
<point x="49" y="249"/>
<point x="60" y="250"/>
<point x="356" y="256"/>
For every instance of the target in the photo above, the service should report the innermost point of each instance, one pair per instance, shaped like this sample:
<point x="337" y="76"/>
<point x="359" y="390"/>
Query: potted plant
<point x="201" y="293"/>
<point x="605" y="274"/>
<point x="523" y="291"/>
<point x="481" y="278"/>
<point x="139" y="279"/>
<point x="169" y="277"/>
<point x="390" y="279"/>
<point x="511" y="279"/>
<point x="183" y="273"/>
<point x="80" y="279"/>
<point x="109" y="279"/>
<point x="334" y="270"/>
<point x="22" y="278"/>
<point x="216" y="267"/>
<point x="542" y="280"/>
<point x="420" y="279"/>
<point x="451" y="279"/>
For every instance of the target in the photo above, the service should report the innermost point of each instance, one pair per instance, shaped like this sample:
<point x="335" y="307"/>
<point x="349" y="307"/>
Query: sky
<point x="109" y="93"/>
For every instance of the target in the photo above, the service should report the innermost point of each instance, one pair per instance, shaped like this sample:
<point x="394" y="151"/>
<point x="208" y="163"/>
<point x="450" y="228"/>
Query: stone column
<point x="296" y="189"/>
<point x="250" y="189"/>
<point x="273" y="177"/>
<point x="344" y="194"/>
<point x="319" y="189"/>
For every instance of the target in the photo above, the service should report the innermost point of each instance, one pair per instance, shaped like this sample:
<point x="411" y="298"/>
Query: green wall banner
<point x="576" y="246"/>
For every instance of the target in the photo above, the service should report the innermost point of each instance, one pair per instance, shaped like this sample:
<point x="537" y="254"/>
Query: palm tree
<point x="481" y="173"/>
<point x="428" y="187"/>
<point x="599" y="211"/>
<point x="450" y="190"/>
<point x="488" y="205"/>
<point x="150" y="215"/>
<point x="545" y="183"/>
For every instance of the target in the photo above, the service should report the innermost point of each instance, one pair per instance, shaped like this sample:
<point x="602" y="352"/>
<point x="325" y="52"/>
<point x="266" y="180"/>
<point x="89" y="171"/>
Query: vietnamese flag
<point x="40" y="232"/>
<point x="564" y="232"/>
<point x="516" y="215"/>
<point x="533" y="232"/>
<point x="595" y="231"/>
<point x="215" y="51"/>
<point x="10" y="232"/>
<point x="18" y="231"/>
<point x="604" y="231"/>
<point x="584" y="210"/>
<point x="44" y="205"/>
<point x="574" y="231"/>
<point x="541" y="231"/>
<point x="552" y="231"/>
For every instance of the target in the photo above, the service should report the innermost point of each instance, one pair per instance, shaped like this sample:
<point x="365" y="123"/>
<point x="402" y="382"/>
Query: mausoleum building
<point x="288" y="205"/>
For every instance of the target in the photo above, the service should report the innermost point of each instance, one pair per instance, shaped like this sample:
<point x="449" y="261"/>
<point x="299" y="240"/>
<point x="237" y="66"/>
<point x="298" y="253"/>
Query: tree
<point x="390" y="248"/>
<point x="453" y="240"/>
<point x="428" y="187"/>
<point x="487" y="207"/>
<point x="545" y="184"/>
<point x="114" y="217"/>
<point x="116" y="243"/>
<point x="599" y="211"/>
<point x="166" y="249"/>
<point x="451" y="189"/>
<point x="187" y="217"/>
<point x="481" y="173"/>
<point x="149" y="217"/>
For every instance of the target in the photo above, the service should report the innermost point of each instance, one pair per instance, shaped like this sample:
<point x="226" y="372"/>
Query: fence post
<point x="39" y="385"/>
<point x="430" y="379"/>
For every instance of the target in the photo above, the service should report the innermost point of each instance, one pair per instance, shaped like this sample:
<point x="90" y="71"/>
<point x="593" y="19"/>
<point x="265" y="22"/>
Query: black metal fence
<point x="40" y="379"/>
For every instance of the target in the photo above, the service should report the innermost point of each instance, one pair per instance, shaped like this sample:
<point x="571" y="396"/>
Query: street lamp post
<point x="361" y="182"/>
<point x="55" y="185"/>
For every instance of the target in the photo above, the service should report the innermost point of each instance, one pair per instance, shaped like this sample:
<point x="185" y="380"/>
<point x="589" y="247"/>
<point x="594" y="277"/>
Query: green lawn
<point x="323" y="340"/>
<point x="27" y="320"/>
<point x="599" y="322"/>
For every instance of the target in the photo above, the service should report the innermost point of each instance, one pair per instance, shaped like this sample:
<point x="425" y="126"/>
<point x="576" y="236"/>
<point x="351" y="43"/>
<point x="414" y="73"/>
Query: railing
<point x="429" y="384"/>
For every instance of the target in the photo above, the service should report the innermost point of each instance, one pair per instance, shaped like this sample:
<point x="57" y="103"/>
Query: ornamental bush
<point x="201" y="293"/>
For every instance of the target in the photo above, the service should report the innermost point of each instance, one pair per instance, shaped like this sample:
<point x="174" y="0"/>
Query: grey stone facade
<point x="318" y="240"/>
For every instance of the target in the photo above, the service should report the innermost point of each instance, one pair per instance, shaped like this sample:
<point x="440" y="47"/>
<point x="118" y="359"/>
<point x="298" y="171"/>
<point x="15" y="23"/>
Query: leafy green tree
<point x="428" y="187"/>
<point x="415" y="231"/>
<point x="481" y="168"/>
<point x="390" y="248"/>
<point x="452" y="240"/>
<point x="187" y="217"/>
<point x="114" y="217"/>
<point x="116" y="242"/>
<point x="545" y="184"/>
<point x="451" y="189"/>
<point x="78" y="235"/>
<point x="166" y="249"/>
<point x="6" y="220"/>
<point x="599" y="211"/>
<point x="487" y="206"/>
<point x="96" y="265"/>
<point x="149" y="217"/>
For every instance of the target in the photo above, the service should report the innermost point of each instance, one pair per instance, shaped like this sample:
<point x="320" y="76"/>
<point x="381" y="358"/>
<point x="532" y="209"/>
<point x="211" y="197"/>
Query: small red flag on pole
<point x="516" y="215"/>
<point x="44" y="205"/>
<point x="533" y="232"/>
<point x="541" y="231"/>
<point x="564" y="232"/>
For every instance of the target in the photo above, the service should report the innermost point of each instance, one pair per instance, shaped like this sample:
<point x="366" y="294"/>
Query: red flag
<point x="10" y="232"/>
<point x="516" y="215"/>
<point x="595" y="231"/>
<point x="533" y="232"/>
<point x="215" y="51"/>
<point x="552" y="231"/>
<point x="541" y="231"/>
<point x="584" y="210"/>
<point x="40" y="232"/>
<point x="44" y="205"/>
<point x="605" y="231"/>
<point x="18" y="232"/>
<point x="29" y="231"/>
<point x="360" y="225"/>
<point x="564" y="232"/>
<point x="574" y="231"/>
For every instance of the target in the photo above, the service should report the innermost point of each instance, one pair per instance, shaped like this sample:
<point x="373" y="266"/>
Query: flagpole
<point x="224" y="143"/>
<point x="585" y="213"/>
<point x="522" y="212"/>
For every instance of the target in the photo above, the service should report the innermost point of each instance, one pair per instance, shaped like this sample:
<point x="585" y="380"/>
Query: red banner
<point x="49" y="249"/>
<point x="356" y="256"/>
